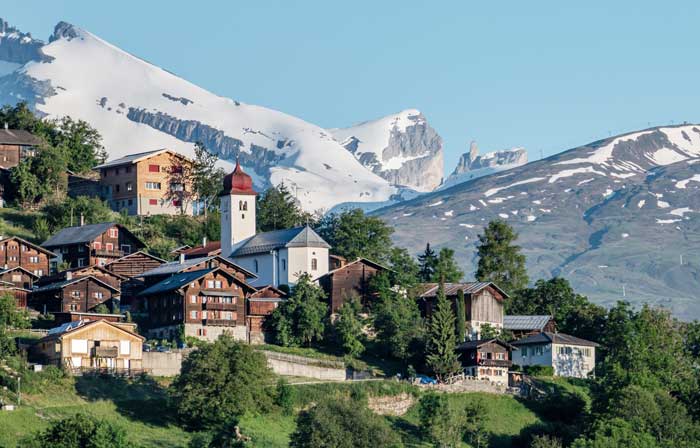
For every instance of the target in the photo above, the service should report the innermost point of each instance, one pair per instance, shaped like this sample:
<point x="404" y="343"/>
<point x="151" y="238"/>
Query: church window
<point x="314" y="264"/>
<point x="284" y="265"/>
<point x="240" y="205"/>
<point x="255" y="265"/>
<point x="245" y="205"/>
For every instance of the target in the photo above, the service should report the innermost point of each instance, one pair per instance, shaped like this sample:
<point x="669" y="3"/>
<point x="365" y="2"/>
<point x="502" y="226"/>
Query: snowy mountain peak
<point x="64" y="30"/>
<point x="473" y="165"/>
<point x="401" y="148"/>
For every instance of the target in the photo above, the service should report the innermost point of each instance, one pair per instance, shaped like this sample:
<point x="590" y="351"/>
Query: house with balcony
<point x="74" y="294"/>
<point x="206" y="303"/>
<point x="16" y="145"/>
<point x="18" y="252"/>
<point x="523" y="326"/>
<point x="148" y="183"/>
<point x="568" y="355"/>
<point x="92" y="244"/>
<point x="488" y="359"/>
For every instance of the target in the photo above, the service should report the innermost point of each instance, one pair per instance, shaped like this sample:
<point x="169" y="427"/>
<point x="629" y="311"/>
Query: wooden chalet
<point x="93" y="244"/>
<point x="487" y="359"/>
<point x="18" y="252"/>
<point x="97" y="345"/>
<point x="107" y="276"/>
<point x="523" y="326"/>
<point x="74" y="294"/>
<point x="483" y="303"/>
<point x="16" y="145"/>
<point x="19" y="277"/>
<point x="349" y="280"/>
<point x="261" y="304"/>
<point x="76" y="316"/>
<point x="207" y="302"/>
<point x="20" y="294"/>
<point x="134" y="264"/>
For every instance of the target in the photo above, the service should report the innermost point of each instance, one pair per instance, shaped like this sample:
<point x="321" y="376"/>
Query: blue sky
<point x="545" y="75"/>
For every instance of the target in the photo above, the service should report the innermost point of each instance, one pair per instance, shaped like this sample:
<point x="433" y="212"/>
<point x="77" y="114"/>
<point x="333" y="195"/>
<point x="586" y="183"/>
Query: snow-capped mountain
<point x="401" y="148"/>
<point x="137" y="106"/>
<point x="618" y="217"/>
<point x="473" y="165"/>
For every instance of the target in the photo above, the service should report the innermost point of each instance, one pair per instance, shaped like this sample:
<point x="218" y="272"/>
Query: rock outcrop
<point x="18" y="47"/>
<point x="470" y="161"/>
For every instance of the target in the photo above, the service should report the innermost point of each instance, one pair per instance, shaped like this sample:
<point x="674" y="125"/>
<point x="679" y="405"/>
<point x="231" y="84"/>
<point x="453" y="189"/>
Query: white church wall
<point x="264" y="267"/>
<point x="300" y="260"/>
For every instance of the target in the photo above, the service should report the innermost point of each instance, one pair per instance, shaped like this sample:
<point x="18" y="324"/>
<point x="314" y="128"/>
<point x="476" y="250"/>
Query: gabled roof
<point x="259" y="295"/>
<point x="430" y="290"/>
<point x="470" y="345"/>
<point x="18" y="137"/>
<point x="134" y="158"/>
<point x="74" y="327"/>
<point x="525" y="322"/>
<point x="181" y="279"/>
<point x="303" y="236"/>
<point x="62" y="284"/>
<point x="555" y="338"/>
<point x="134" y="254"/>
<point x="358" y="260"/>
<point x="19" y="268"/>
<point x="203" y="251"/>
<point x="83" y="234"/>
<point x="173" y="267"/>
<point x="27" y="243"/>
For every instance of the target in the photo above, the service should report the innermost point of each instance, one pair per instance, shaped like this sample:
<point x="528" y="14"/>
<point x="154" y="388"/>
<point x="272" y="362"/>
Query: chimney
<point x="204" y="241"/>
<point x="6" y="126"/>
<point x="82" y="220"/>
<point x="69" y="275"/>
<point x="182" y="258"/>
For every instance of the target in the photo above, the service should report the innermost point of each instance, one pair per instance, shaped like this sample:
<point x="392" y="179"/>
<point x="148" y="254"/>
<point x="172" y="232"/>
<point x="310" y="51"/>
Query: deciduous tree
<point x="352" y="234"/>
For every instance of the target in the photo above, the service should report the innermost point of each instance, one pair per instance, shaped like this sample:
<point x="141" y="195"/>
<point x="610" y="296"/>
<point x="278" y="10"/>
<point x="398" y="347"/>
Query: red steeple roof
<point x="238" y="182"/>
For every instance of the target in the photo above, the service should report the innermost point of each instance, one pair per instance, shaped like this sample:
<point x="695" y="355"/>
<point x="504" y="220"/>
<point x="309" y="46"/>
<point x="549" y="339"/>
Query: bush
<point x="539" y="370"/>
<point x="337" y="422"/>
<point x="220" y="381"/>
<point x="439" y="422"/>
<point x="284" y="397"/>
<point x="78" y="431"/>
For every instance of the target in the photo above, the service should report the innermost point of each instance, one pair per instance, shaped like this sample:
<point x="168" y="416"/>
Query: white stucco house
<point x="568" y="355"/>
<point x="277" y="258"/>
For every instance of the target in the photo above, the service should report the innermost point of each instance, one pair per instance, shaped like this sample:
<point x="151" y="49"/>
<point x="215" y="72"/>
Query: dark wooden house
<point x="81" y="294"/>
<point x="17" y="252"/>
<point x="483" y="303"/>
<point x="523" y="326"/>
<point x="487" y="359"/>
<point x="207" y="249"/>
<point x="19" y="277"/>
<point x="16" y="145"/>
<point x="261" y="304"/>
<point x="20" y="294"/>
<point x="207" y="302"/>
<point x="93" y="244"/>
<point x="109" y="277"/>
<point x="134" y="264"/>
<point x="348" y="281"/>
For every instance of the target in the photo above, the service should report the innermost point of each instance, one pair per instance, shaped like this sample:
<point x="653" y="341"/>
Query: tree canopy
<point x="500" y="260"/>
<point x="352" y="234"/>
<point x="278" y="209"/>
<point x="80" y="430"/>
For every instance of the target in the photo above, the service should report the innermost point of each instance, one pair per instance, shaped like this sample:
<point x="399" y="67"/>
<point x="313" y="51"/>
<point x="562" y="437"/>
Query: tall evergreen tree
<point x="278" y="209"/>
<point x="460" y="321"/>
<point x="428" y="264"/>
<point x="446" y="267"/>
<point x="348" y="328"/>
<point x="500" y="261"/>
<point x="442" y="358"/>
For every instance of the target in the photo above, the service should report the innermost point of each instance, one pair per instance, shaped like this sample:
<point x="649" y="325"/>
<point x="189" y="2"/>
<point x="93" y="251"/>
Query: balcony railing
<point x="219" y="322"/>
<point x="219" y="306"/>
<point x="105" y="352"/>
<point x="107" y="253"/>
<point x="495" y="363"/>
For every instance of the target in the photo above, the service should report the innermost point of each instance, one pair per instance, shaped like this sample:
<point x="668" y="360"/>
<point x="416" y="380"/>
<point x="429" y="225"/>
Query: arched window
<point x="245" y="205"/>
<point x="240" y="205"/>
<point x="284" y="265"/>
<point x="314" y="264"/>
<point x="255" y="266"/>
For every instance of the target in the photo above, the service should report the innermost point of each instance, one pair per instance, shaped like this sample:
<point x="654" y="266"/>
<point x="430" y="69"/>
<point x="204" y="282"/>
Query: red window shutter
<point x="153" y="201"/>
<point x="176" y="202"/>
<point x="154" y="168"/>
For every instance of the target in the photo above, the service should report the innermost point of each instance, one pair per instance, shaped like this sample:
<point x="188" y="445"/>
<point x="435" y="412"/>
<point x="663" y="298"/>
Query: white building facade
<point x="569" y="356"/>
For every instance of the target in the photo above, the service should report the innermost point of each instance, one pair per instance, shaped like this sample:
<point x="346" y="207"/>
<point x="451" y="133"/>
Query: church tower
<point x="237" y="209"/>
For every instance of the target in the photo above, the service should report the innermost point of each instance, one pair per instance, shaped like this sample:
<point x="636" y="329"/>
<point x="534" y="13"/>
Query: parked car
<point x="163" y="349"/>
<point x="426" y="379"/>
<point x="147" y="347"/>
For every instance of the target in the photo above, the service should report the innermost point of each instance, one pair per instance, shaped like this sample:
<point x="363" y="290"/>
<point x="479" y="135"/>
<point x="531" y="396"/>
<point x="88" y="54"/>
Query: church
<point x="278" y="257"/>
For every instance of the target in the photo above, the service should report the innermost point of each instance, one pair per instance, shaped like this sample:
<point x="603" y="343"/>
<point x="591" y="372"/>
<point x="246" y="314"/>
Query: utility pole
<point x="19" y="391"/>
<point x="623" y="291"/>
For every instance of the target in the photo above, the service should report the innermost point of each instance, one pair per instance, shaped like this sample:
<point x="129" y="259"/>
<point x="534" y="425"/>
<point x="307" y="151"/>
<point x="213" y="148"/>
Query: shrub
<point x="439" y="422"/>
<point x="337" y="422"/>
<point x="78" y="431"/>
<point x="284" y="396"/>
<point x="539" y="370"/>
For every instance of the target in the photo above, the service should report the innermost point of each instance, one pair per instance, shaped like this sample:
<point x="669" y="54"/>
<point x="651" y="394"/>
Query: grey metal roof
<point x="62" y="284"/>
<point x="478" y="343"/>
<point x="18" y="137"/>
<point x="525" y="322"/>
<point x="175" y="282"/>
<point x="303" y="236"/>
<point x="556" y="338"/>
<point x="451" y="289"/>
<point x="131" y="158"/>
<point x="77" y="234"/>
<point x="173" y="267"/>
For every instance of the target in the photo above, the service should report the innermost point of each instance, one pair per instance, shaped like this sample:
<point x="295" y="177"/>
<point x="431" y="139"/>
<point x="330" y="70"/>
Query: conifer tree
<point x="500" y="261"/>
<point x="442" y="358"/>
<point x="446" y="267"/>
<point x="460" y="323"/>
<point x="348" y="328"/>
<point x="428" y="264"/>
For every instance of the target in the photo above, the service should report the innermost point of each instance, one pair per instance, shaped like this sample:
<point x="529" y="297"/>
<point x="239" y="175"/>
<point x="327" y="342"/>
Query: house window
<point x="39" y="272"/>
<point x="126" y="248"/>
<point x="255" y="266"/>
<point x="116" y="188"/>
<point x="193" y="314"/>
<point x="113" y="232"/>
<point x="129" y="186"/>
<point x="124" y="347"/>
<point x="177" y="169"/>
<point x="154" y="168"/>
<point x="314" y="264"/>
<point x="524" y="351"/>
<point x="12" y="258"/>
<point x="153" y="202"/>
<point x="81" y="248"/>
<point x="64" y="250"/>
<point x="73" y="307"/>
<point x="176" y="186"/>
<point x="215" y="284"/>
<point x="193" y="299"/>
<point x="131" y="202"/>
<point x="109" y="246"/>
<point x="97" y="245"/>
<point x="153" y="185"/>
<point x="204" y="314"/>
<point x="128" y="169"/>
<point x="75" y="294"/>
<point x="98" y="295"/>
<point x="16" y="278"/>
<point x="33" y="259"/>
<point x="81" y="262"/>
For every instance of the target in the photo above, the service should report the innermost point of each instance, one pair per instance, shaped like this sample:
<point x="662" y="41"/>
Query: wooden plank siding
<point x="134" y="264"/>
<point x="83" y="295"/>
<point x="16" y="252"/>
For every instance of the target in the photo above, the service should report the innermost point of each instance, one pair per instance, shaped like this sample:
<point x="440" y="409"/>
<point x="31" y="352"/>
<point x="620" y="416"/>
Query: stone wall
<point x="292" y="365"/>
<point x="164" y="364"/>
